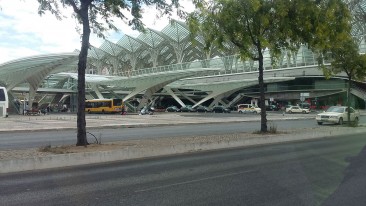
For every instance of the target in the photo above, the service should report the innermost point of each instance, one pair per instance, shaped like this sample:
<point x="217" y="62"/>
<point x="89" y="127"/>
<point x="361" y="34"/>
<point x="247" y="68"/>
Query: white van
<point x="242" y="108"/>
<point x="4" y="102"/>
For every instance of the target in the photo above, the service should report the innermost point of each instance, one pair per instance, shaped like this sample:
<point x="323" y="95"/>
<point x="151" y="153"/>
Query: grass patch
<point x="46" y="148"/>
<point x="353" y="124"/>
<point x="66" y="149"/>
<point x="54" y="150"/>
<point x="271" y="130"/>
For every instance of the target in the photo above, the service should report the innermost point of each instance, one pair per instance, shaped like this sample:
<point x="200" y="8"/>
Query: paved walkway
<point x="68" y="121"/>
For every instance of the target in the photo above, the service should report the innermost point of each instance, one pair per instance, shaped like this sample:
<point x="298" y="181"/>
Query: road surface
<point x="302" y="173"/>
<point x="35" y="139"/>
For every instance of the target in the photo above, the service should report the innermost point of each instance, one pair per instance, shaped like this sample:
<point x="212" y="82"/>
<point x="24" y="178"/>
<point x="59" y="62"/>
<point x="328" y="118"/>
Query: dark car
<point x="187" y="108"/>
<point x="203" y="109"/>
<point x="220" y="109"/>
<point x="172" y="109"/>
<point x="304" y="105"/>
<point x="271" y="108"/>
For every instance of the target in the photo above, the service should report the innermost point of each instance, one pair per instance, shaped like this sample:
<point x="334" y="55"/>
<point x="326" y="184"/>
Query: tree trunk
<point x="261" y="91"/>
<point x="81" y="123"/>
<point x="348" y="100"/>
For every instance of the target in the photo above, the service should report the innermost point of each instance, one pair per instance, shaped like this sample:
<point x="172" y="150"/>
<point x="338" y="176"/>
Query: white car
<point x="243" y="108"/>
<point x="337" y="115"/>
<point x="297" y="109"/>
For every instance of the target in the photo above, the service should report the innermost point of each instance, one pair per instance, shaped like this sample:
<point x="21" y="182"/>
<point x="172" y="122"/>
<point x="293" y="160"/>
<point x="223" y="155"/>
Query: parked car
<point x="297" y="109"/>
<point x="337" y="115"/>
<point x="160" y="109"/>
<point x="248" y="108"/>
<point x="187" y="108"/>
<point x="147" y="111"/>
<point x="220" y="109"/>
<point x="203" y="109"/>
<point x="271" y="107"/>
<point x="172" y="109"/>
<point x="305" y="105"/>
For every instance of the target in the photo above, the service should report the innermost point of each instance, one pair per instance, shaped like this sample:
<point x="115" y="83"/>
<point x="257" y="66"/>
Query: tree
<point x="97" y="14"/>
<point x="345" y="57"/>
<point x="255" y="26"/>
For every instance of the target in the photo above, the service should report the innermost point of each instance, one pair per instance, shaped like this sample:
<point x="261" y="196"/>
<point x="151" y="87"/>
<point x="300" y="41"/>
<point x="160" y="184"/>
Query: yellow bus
<point x="104" y="106"/>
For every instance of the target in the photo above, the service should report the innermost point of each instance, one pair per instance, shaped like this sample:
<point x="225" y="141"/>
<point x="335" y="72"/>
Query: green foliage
<point x="274" y="24"/>
<point x="361" y="63"/>
<point x="101" y="12"/>
<point x="331" y="25"/>
<point x="344" y="56"/>
<point x="255" y="26"/>
<point x="97" y="16"/>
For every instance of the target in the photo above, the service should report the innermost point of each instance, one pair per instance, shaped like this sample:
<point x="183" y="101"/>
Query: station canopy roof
<point x="149" y="49"/>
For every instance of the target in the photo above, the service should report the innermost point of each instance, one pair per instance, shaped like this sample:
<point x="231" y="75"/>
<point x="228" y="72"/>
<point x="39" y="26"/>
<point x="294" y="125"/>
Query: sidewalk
<point x="59" y="121"/>
<point x="33" y="159"/>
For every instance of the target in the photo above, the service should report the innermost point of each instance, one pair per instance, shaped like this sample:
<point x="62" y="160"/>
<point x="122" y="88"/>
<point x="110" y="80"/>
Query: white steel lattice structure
<point x="148" y="62"/>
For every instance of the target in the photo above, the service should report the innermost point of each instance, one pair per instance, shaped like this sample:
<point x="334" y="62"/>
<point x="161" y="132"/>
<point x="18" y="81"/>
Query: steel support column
<point x="171" y="93"/>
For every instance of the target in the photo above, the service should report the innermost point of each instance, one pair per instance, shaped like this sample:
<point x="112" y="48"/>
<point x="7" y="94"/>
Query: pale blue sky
<point x="24" y="33"/>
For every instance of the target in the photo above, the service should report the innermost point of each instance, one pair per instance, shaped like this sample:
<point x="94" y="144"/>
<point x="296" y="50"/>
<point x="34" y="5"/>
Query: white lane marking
<point x="194" y="181"/>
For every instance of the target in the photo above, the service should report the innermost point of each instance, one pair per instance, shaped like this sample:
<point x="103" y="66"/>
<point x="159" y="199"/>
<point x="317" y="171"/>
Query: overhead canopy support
<point x="185" y="96"/>
<point x="153" y="82"/>
<point x="96" y="90"/>
<point x="226" y="87"/>
<point x="170" y="91"/>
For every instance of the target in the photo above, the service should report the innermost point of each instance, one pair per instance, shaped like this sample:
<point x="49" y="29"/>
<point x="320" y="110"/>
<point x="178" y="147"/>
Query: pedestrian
<point x="123" y="112"/>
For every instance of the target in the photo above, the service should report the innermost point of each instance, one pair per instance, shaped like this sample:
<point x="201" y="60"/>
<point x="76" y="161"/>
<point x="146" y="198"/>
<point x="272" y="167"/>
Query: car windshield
<point x="336" y="109"/>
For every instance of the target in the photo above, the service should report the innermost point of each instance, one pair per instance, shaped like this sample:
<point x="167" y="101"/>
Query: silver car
<point x="297" y="109"/>
<point x="337" y="115"/>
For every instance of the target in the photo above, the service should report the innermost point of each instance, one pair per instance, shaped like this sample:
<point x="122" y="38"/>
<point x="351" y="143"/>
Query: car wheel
<point x="320" y="123"/>
<point x="290" y="111"/>
<point x="304" y="112"/>
<point x="89" y="111"/>
<point x="240" y="111"/>
<point x="340" y="121"/>
<point x="255" y="112"/>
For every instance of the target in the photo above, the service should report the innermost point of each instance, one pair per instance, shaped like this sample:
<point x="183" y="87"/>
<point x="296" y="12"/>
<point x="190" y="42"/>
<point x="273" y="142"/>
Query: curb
<point x="130" y="153"/>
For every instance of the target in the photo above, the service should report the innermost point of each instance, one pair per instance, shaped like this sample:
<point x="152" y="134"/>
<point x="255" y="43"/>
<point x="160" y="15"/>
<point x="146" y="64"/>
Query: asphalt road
<point x="33" y="139"/>
<point x="18" y="140"/>
<point x="302" y="173"/>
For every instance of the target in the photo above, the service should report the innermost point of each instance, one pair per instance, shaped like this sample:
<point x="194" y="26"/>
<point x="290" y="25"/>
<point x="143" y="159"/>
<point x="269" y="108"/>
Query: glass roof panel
<point x="96" y="53"/>
<point x="111" y="48"/>
<point x="151" y="38"/>
<point x="176" y="31"/>
<point x="130" y="44"/>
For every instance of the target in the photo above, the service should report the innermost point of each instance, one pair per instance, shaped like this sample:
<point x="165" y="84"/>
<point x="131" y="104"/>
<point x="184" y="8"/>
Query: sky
<point x="24" y="33"/>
